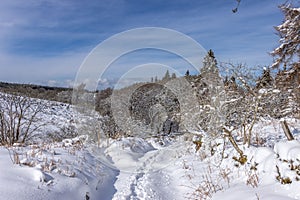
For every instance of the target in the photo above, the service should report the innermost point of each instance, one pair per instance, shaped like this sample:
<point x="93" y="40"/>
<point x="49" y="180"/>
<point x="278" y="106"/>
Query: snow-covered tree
<point x="211" y="94"/>
<point x="19" y="118"/>
<point x="288" y="51"/>
<point x="209" y="64"/>
<point x="266" y="80"/>
<point x="288" y="55"/>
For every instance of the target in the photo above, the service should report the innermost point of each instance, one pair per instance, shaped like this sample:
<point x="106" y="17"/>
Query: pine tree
<point x="230" y="84"/>
<point x="289" y="50"/>
<point x="288" y="55"/>
<point x="209" y="64"/>
<point x="266" y="79"/>
<point x="187" y="73"/>
<point x="167" y="75"/>
<point x="173" y="75"/>
<point x="212" y="94"/>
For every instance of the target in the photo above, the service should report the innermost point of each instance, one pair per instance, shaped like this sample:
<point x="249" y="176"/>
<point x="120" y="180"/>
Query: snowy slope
<point x="139" y="169"/>
<point x="152" y="168"/>
<point x="54" y="171"/>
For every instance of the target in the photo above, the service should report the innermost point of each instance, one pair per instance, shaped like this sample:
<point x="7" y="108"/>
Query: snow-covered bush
<point x="19" y="118"/>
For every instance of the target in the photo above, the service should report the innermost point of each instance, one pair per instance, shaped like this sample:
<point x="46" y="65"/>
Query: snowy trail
<point x="139" y="169"/>
<point x="144" y="176"/>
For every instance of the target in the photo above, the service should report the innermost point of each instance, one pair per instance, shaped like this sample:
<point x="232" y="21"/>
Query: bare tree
<point x="18" y="118"/>
<point x="241" y="105"/>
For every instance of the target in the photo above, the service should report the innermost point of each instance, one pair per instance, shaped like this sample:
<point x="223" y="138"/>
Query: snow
<point x="161" y="167"/>
<point x="74" y="173"/>
<point x="138" y="169"/>
<point x="288" y="150"/>
<point x="265" y="158"/>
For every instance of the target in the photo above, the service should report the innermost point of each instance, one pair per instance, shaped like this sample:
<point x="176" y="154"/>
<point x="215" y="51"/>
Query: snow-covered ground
<point x="153" y="168"/>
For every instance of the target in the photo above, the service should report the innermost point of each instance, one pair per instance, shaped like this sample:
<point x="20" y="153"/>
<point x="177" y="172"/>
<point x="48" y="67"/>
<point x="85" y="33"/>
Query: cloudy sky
<point x="46" y="41"/>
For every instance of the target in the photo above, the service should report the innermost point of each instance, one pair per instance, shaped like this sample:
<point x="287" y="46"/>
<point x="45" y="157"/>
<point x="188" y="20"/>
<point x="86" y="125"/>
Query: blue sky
<point x="45" y="41"/>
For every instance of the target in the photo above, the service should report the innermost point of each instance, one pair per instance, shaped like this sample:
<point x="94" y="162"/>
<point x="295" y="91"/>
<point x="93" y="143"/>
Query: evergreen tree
<point x="230" y="84"/>
<point x="288" y="51"/>
<point x="266" y="80"/>
<point x="187" y="73"/>
<point x="167" y="75"/>
<point x="212" y="94"/>
<point x="173" y="75"/>
<point x="209" y="64"/>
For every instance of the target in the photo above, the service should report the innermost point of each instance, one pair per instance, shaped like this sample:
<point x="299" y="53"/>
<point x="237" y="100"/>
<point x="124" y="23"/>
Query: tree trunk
<point x="233" y="142"/>
<point x="286" y="130"/>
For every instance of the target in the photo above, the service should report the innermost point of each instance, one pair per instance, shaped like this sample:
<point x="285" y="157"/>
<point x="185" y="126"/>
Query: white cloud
<point x="245" y="37"/>
<point x="36" y="69"/>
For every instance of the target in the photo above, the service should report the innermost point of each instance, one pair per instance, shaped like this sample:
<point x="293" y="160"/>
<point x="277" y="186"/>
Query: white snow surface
<point x="155" y="168"/>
